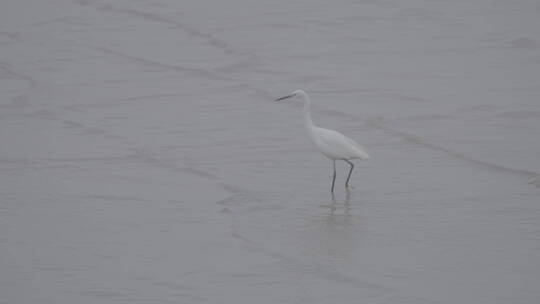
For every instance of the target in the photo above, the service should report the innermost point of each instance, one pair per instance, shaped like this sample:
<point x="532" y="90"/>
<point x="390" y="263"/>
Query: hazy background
<point x="142" y="159"/>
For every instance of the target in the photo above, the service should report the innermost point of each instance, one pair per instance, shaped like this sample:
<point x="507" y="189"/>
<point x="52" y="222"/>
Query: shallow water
<point x="142" y="159"/>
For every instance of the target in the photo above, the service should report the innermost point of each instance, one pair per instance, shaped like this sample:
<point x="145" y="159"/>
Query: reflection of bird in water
<point x="332" y="144"/>
<point x="346" y="203"/>
<point x="335" y="233"/>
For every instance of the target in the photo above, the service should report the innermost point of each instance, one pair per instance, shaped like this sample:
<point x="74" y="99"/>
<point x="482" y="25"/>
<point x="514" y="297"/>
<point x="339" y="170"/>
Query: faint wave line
<point x="195" y="71"/>
<point x="316" y="269"/>
<point x="160" y="163"/>
<point x="209" y="38"/>
<point x="415" y="139"/>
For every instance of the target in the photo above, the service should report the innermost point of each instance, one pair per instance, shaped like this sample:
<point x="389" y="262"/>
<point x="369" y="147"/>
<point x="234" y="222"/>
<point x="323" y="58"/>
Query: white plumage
<point x="332" y="144"/>
<point x="335" y="145"/>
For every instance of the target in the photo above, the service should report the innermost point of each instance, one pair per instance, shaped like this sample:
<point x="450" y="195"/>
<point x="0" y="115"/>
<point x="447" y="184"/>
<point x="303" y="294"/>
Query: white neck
<point x="307" y="112"/>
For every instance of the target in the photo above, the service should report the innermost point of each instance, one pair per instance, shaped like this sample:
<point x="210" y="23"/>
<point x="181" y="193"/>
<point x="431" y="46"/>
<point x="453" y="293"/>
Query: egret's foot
<point x="349" y="187"/>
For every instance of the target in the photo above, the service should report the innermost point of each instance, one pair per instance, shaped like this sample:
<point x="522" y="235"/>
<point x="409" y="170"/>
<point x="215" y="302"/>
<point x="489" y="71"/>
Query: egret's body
<point x="332" y="144"/>
<point x="335" y="145"/>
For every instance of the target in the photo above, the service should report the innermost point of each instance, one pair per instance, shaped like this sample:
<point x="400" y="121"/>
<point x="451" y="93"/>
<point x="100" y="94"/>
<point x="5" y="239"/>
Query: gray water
<point x="142" y="159"/>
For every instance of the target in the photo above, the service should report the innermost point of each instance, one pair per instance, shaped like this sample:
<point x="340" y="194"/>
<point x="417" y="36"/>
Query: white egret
<point x="332" y="144"/>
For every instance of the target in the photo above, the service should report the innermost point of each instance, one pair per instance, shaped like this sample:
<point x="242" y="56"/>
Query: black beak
<point x="284" y="97"/>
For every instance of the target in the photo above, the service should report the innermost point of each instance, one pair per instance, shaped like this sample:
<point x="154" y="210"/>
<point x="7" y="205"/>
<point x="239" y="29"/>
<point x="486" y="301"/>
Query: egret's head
<point x="295" y="94"/>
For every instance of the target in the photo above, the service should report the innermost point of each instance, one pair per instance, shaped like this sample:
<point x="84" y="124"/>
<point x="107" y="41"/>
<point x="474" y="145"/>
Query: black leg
<point x="334" y="178"/>
<point x="350" y="172"/>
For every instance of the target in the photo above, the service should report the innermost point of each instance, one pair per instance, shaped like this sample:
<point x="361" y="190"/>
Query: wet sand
<point x="143" y="160"/>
